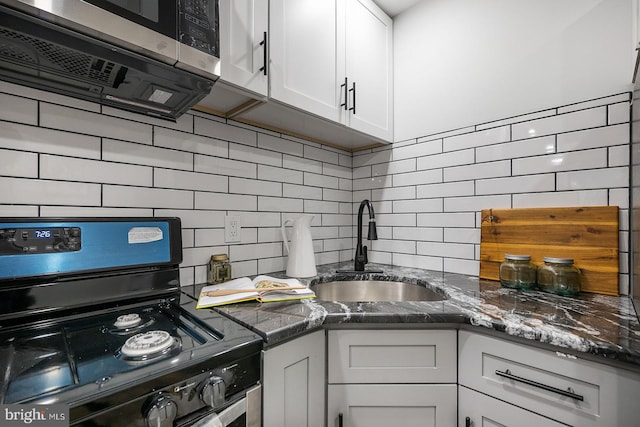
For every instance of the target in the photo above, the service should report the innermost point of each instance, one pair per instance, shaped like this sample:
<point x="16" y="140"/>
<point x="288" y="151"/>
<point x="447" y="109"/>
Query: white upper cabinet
<point x="334" y="59"/>
<point x="305" y="66"/>
<point x="243" y="38"/>
<point x="369" y="69"/>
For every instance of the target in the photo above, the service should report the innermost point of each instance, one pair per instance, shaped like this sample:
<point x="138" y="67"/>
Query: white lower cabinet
<point x="552" y="384"/>
<point x="391" y="377"/>
<point x="479" y="410"/>
<point x="294" y="383"/>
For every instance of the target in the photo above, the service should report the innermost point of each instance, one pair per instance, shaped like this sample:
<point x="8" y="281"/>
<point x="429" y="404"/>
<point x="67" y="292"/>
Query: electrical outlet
<point x="232" y="229"/>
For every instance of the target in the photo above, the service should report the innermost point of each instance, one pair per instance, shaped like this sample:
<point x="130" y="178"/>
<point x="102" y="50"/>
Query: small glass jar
<point x="218" y="269"/>
<point x="559" y="276"/>
<point x="517" y="272"/>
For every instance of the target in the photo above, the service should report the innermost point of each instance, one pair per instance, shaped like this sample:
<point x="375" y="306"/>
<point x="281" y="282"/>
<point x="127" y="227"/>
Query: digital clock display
<point x="43" y="234"/>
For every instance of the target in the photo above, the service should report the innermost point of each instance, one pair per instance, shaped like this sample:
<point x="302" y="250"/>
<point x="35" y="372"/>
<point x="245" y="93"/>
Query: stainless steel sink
<point x="375" y="290"/>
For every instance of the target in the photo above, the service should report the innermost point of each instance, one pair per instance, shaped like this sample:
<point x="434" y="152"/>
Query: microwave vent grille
<point x="24" y="49"/>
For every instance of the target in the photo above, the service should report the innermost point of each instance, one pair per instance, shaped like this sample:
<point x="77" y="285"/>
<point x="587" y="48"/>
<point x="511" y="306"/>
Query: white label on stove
<point x="144" y="235"/>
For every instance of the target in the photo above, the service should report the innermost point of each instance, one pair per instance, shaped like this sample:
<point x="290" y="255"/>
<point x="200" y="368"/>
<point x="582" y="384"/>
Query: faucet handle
<point x="364" y="254"/>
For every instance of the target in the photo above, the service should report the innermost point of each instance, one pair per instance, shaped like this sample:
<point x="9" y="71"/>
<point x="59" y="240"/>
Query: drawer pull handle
<point x="567" y="393"/>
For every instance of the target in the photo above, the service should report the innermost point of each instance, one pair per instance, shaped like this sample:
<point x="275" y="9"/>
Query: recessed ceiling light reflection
<point x="550" y="148"/>
<point x="557" y="161"/>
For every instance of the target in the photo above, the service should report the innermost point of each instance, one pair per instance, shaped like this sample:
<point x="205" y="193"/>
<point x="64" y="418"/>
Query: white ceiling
<point x="394" y="7"/>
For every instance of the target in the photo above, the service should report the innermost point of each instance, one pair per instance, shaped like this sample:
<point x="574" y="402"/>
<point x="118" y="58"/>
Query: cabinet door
<point x="243" y="24"/>
<point x="479" y="410"/>
<point x="293" y="383"/>
<point x="369" y="66"/>
<point x="304" y="57"/>
<point x="376" y="405"/>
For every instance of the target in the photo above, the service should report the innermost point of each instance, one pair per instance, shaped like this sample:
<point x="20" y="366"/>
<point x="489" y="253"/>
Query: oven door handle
<point x="249" y="405"/>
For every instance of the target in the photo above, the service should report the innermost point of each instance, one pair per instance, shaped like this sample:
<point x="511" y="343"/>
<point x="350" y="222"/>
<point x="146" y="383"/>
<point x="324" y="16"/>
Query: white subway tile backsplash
<point x="318" y="180"/>
<point x="457" y="158"/>
<point x="300" y="164"/>
<point x="75" y="159"/>
<point x="561" y="199"/>
<point x="416" y="150"/>
<point x="73" y="120"/>
<point x="517" y="149"/>
<point x="427" y="234"/>
<point x="189" y="142"/>
<point x="478" y="171"/>
<point x="227" y="167"/>
<point x="418" y="205"/>
<point x="30" y="138"/>
<point x="399" y="166"/>
<point x="120" y="151"/>
<point x="320" y="154"/>
<point x="225" y="132"/>
<point x="302" y="192"/>
<point x="431" y="176"/>
<point x="39" y="191"/>
<point x="576" y="160"/>
<point x="270" y="142"/>
<point x="278" y="204"/>
<point x="418" y="261"/>
<point x="619" y="113"/>
<point x="583" y="119"/>
<point x="253" y="186"/>
<point x="18" y="163"/>
<point x="270" y="173"/>
<point x="450" y="219"/>
<point x="73" y="169"/>
<point x="462" y="188"/>
<point x="170" y="178"/>
<point x="476" y="203"/>
<point x="226" y="202"/>
<point x="141" y="197"/>
<point x="22" y="110"/>
<point x="519" y="184"/>
<point x="477" y="139"/>
<point x="619" y="156"/>
<point x="593" y="179"/>
<point x="462" y="235"/>
<point x="254" y="155"/>
<point x="593" y="138"/>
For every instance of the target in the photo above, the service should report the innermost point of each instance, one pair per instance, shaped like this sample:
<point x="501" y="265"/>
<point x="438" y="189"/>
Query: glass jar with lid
<point x="518" y="272"/>
<point x="559" y="276"/>
<point x="218" y="269"/>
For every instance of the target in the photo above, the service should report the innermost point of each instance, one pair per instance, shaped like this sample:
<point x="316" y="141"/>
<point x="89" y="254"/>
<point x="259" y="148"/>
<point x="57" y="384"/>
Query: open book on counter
<point x="261" y="288"/>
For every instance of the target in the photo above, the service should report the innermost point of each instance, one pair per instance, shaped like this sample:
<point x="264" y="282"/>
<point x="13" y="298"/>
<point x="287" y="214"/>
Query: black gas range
<point x="91" y="316"/>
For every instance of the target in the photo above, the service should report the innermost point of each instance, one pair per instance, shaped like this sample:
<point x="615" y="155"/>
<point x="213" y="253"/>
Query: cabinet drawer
<point x="384" y="405"/>
<point x="485" y="411"/>
<point x="570" y="390"/>
<point x="392" y="356"/>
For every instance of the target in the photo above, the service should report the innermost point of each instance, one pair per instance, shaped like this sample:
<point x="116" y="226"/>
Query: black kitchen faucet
<point x="361" y="251"/>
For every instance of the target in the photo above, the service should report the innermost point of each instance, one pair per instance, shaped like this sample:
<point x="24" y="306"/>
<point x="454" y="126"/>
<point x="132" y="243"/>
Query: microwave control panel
<point x="198" y="25"/>
<point x="15" y="241"/>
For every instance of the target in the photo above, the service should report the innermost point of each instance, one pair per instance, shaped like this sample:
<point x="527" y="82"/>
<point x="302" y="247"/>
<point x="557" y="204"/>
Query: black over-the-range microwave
<point x="158" y="57"/>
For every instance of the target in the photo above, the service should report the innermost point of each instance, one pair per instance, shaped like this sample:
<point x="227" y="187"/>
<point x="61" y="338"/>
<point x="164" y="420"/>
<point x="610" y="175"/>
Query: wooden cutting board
<point x="587" y="234"/>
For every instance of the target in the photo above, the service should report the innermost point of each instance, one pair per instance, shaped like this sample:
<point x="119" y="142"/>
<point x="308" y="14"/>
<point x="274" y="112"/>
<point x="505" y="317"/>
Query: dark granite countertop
<point x="601" y="326"/>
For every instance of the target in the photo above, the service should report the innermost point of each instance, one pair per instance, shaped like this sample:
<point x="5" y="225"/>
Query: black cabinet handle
<point x="263" y="43"/>
<point x="467" y="422"/>
<point x="567" y="393"/>
<point x="346" y="95"/>
<point x="340" y="419"/>
<point x="353" y="89"/>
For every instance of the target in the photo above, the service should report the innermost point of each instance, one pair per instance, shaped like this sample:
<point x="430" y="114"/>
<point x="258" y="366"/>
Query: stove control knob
<point x="213" y="392"/>
<point x="161" y="412"/>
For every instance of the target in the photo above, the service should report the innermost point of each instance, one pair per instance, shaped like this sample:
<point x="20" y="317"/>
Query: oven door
<point x="245" y="412"/>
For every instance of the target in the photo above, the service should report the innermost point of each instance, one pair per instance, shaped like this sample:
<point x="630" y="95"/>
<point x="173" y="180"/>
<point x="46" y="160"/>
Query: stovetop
<point x="73" y="359"/>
